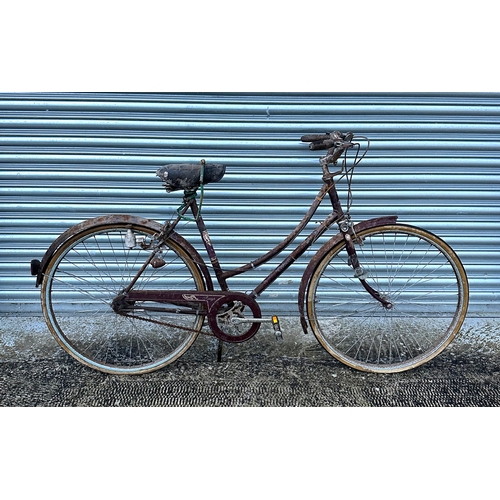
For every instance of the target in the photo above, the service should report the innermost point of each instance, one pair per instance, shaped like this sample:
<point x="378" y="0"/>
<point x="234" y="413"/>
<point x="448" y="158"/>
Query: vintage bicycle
<point x="129" y="295"/>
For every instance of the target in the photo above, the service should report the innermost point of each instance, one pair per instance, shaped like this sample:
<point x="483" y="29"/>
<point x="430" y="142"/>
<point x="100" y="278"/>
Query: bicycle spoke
<point x="84" y="279"/>
<point x="423" y="283"/>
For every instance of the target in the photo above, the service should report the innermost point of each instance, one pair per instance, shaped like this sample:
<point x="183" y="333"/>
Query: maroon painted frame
<point x="337" y="215"/>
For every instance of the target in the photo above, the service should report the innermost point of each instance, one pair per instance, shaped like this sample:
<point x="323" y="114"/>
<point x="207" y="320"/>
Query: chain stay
<point x="166" y="323"/>
<point x="213" y="301"/>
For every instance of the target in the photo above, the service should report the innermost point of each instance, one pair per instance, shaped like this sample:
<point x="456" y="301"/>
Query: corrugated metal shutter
<point x="64" y="158"/>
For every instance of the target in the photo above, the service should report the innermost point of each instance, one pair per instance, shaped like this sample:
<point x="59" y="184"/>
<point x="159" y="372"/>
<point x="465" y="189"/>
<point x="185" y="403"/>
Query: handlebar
<point x="327" y="141"/>
<point x="335" y="142"/>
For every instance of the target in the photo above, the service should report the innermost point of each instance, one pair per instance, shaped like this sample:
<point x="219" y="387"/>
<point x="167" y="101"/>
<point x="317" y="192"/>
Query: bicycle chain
<point x="164" y="323"/>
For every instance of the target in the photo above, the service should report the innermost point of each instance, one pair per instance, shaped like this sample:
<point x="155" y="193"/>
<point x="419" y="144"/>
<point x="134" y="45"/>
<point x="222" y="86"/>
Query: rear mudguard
<point x="306" y="277"/>
<point x="107" y="220"/>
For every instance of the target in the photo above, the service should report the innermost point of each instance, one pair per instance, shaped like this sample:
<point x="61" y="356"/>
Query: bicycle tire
<point x="84" y="276"/>
<point x="424" y="281"/>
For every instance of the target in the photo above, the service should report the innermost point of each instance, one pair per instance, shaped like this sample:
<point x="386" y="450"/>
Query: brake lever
<point x="339" y="138"/>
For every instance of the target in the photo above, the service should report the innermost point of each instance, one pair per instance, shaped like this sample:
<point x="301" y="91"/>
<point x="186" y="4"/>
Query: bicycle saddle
<point x="187" y="176"/>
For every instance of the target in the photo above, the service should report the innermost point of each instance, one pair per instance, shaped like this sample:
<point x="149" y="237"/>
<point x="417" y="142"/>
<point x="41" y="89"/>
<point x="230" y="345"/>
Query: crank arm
<point x="251" y="320"/>
<point x="274" y="320"/>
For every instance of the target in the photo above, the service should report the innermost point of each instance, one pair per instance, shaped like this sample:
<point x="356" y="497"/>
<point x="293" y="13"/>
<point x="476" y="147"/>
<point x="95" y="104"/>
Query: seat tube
<point x="209" y="248"/>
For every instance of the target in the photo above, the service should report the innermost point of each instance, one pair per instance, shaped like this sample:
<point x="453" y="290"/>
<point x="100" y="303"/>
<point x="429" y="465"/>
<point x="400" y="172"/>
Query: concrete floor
<point x="35" y="371"/>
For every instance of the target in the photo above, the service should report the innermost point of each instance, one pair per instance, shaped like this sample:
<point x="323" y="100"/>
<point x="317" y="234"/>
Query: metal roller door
<point x="434" y="161"/>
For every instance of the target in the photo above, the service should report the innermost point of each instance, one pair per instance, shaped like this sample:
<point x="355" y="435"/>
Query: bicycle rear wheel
<point x="421" y="277"/>
<point x="88" y="272"/>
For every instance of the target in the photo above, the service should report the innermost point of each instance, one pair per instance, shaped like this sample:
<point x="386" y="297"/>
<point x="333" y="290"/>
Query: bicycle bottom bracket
<point x="229" y="321"/>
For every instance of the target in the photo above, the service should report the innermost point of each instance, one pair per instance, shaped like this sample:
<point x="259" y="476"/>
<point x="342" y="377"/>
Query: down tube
<point x="281" y="268"/>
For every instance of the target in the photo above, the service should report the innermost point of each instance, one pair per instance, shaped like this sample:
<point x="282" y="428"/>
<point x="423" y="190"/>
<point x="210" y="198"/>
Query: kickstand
<point x="219" y="350"/>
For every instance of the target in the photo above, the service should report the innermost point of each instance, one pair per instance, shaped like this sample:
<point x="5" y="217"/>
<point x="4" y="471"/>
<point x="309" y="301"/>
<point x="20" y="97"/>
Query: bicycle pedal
<point x="276" y="327"/>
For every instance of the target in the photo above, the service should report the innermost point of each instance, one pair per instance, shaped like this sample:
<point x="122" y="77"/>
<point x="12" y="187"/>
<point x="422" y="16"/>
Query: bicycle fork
<point x="350" y="237"/>
<point x="360" y="273"/>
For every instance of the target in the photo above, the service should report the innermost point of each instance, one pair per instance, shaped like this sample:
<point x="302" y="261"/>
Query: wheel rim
<point x="78" y="289"/>
<point x="416" y="272"/>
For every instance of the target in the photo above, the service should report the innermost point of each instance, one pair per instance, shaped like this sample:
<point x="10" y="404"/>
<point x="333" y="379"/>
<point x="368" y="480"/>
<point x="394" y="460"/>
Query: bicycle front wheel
<point x="84" y="277"/>
<point x="424" y="286"/>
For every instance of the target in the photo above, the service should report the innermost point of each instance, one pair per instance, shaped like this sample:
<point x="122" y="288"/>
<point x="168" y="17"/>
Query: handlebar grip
<point x="326" y="141"/>
<point x="325" y="144"/>
<point x="315" y="137"/>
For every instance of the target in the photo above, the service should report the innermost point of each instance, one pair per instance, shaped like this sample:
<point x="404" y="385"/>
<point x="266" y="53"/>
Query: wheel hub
<point x="120" y="304"/>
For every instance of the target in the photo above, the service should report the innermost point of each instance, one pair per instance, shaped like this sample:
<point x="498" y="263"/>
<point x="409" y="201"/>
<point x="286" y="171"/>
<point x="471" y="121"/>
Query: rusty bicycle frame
<point x="210" y="302"/>
<point x="213" y="300"/>
<point x="235" y="316"/>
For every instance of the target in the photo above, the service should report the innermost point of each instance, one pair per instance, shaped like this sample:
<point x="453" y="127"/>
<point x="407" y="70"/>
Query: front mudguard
<point x="306" y="277"/>
<point x="107" y="220"/>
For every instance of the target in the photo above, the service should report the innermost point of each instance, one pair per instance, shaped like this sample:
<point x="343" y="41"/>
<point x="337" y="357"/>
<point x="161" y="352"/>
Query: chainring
<point x="232" y="306"/>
